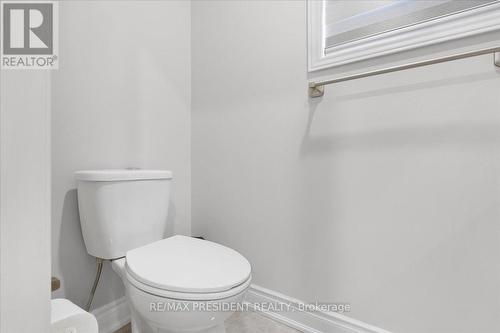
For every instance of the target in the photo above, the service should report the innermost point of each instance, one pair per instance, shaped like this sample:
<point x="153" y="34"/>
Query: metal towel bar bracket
<point x="496" y="58"/>
<point x="317" y="88"/>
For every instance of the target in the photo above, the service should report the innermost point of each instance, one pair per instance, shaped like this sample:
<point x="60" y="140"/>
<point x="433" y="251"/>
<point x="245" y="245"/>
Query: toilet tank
<point x="122" y="209"/>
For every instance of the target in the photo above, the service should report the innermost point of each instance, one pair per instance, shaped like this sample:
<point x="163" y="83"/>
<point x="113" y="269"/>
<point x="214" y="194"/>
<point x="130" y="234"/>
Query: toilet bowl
<point x="177" y="284"/>
<point x="183" y="284"/>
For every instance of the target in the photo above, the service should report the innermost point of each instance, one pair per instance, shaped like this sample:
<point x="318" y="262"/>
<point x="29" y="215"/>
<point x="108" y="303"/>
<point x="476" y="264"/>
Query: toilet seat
<point x="187" y="268"/>
<point x="184" y="296"/>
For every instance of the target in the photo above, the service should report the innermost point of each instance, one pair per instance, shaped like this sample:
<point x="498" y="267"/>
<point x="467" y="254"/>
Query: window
<point x="342" y="32"/>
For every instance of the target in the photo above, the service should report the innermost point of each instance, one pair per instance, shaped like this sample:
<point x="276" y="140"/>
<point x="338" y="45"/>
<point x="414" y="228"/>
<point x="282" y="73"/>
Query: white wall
<point x="384" y="193"/>
<point x="24" y="201"/>
<point x="121" y="98"/>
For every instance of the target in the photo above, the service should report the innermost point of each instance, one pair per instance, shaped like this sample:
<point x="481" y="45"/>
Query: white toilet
<point x="177" y="284"/>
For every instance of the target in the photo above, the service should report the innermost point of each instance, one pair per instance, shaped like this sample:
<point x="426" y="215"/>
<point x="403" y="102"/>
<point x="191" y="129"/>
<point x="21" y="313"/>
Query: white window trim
<point x="464" y="24"/>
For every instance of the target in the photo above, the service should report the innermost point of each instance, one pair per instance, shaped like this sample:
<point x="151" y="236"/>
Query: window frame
<point x="460" y="25"/>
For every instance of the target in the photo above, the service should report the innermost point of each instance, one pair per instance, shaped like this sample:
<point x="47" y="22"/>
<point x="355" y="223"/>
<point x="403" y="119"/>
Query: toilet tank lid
<point x="110" y="175"/>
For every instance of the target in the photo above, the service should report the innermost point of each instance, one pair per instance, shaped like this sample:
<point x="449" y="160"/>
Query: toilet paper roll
<point x="67" y="317"/>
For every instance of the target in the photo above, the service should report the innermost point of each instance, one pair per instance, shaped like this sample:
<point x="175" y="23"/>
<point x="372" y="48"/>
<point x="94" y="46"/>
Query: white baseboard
<point x="308" y="322"/>
<point x="112" y="316"/>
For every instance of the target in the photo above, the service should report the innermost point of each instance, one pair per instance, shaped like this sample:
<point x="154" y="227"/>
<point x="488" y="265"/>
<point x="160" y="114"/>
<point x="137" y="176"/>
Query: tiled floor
<point x="245" y="322"/>
<point x="251" y="322"/>
<point x="125" y="329"/>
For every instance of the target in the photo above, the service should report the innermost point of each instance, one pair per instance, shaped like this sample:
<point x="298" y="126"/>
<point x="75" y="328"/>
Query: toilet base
<point x="140" y="326"/>
<point x="215" y="329"/>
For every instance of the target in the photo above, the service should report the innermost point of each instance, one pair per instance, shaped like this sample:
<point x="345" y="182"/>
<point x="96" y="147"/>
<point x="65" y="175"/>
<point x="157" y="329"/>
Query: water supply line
<point x="100" y="262"/>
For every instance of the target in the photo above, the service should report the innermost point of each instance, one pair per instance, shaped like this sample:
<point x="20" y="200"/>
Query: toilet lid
<point x="187" y="264"/>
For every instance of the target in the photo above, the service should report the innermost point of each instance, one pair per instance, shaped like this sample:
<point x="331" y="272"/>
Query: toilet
<point x="174" y="284"/>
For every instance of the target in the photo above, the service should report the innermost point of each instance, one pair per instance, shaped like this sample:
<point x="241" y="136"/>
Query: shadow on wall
<point x="77" y="266"/>
<point x="170" y="227"/>
<point x="418" y="175"/>
<point x="426" y="85"/>
<point x="452" y="135"/>
<point x="426" y="135"/>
